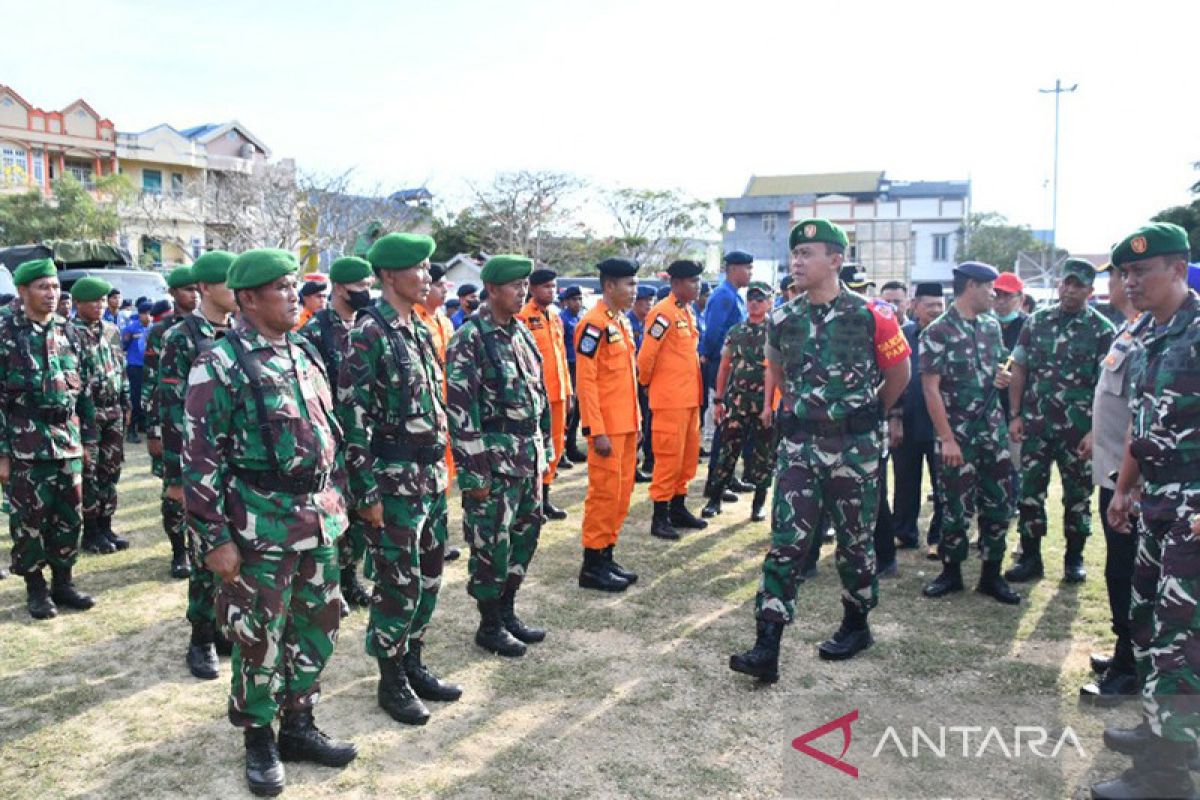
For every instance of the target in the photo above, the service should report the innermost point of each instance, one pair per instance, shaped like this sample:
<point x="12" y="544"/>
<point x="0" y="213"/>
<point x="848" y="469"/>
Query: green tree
<point x="466" y="232"/>
<point x="991" y="239"/>
<point x="72" y="212"/>
<point x="1187" y="217"/>
<point x="657" y="226"/>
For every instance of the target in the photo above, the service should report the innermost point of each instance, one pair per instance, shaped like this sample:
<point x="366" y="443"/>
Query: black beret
<point x="437" y="272"/>
<point x="738" y="257"/>
<point x="540" y="276"/>
<point x="977" y="271"/>
<point x="310" y="288"/>
<point x="929" y="290"/>
<point x="466" y="289"/>
<point x="684" y="269"/>
<point x="569" y="292"/>
<point x="161" y="307"/>
<point x="618" y="267"/>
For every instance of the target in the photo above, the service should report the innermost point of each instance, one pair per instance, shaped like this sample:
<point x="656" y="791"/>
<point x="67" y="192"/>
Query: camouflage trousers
<point x="1165" y="626"/>
<point x="736" y="431"/>
<point x="103" y="470"/>
<point x="202" y="584"/>
<point x="352" y="545"/>
<point x="977" y="488"/>
<point x="1037" y="454"/>
<point x="502" y="531"/>
<point x="408" y="554"/>
<point x="281" y="613"/>
<point x="173" y="518"/>
<point x="46" y="520"/>
<point x="834" y="480"/>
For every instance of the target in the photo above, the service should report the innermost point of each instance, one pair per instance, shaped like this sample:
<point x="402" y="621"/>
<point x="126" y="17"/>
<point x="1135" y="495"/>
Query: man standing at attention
<point x="725" y="309"/>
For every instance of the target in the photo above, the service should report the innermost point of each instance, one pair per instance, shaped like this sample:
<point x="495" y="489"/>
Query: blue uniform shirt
<point x="725" y="309"/>
<point x="639" y="328"/>
<point x="569" y="322"/>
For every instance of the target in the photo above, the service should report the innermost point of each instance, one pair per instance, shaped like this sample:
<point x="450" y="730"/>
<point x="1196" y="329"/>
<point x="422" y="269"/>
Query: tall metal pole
<point x="1057" y="91"/>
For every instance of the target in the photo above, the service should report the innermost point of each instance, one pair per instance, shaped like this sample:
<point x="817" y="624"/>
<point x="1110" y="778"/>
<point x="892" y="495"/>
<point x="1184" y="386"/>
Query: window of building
<point x="151" y="181"/>
<point x="13" y="165"/>
<point x="39" y="167"/>
<point x="941" y="247"/>
<point x="177" y="184"/>
<point x="769" y="221"/>
<point x="82" y="171"/>
<point x="730" y="224"/>
<point x="151" y="251"/>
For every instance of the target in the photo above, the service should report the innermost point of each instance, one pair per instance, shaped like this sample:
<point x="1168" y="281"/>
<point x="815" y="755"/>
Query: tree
<point x="1187" y="217"/>
<point x="520" y="209"/>
<point x="991" y="239"/>
<point x="656" y="227"/>
<point x="466" y="232"/>
<point x="72" y="212"/>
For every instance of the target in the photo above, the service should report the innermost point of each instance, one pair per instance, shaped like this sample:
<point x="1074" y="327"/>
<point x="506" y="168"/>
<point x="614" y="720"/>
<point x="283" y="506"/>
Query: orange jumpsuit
<point x="547" y="330"/>
<point x="606" y="390"/>
<point x="670" y="366"/>
<point x="442" y="329"/>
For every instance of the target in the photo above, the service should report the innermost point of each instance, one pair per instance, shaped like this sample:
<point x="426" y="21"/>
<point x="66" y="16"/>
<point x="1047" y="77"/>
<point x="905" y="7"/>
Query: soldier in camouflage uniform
<point x="962" y="375"/>
<point x="1056" y="367"/>
<point x="1164" y="452"/>
<point x="182" y="345"/>
<point x="47" y="418"/>
<point x="841" y="362"/>
<point x="184" y="296"/>
<point x="391" y="406"/>
<point x="329" y="332"/>
<point x="260" y="476"/>
<point x="500" y="434"/>
<point x="109" y="387"/>
<point x="739" y="405"/>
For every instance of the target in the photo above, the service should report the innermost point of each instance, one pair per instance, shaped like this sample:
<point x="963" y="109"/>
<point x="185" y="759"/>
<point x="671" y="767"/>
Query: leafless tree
<point x="525" y="208"/>
<point x="657" y="227"/>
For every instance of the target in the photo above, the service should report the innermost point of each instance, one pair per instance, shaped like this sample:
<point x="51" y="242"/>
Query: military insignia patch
<point x="810" y="230"/>
<point x="535" y="323"/>
<point x="659" y="328"/>
<point x="614" y="335"/>
<point x="1138" y="245"/>
<point x="681" y="323"/>
<point x="589" y="340"/>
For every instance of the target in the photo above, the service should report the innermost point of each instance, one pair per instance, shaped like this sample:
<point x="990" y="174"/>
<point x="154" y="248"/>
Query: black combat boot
<point x="202" y="652"/>
<point x="353" y="592"/>
<point x="549" y="509"/>
<point x="660" y="523"/>
<point x="452" y="554"/>
<point x="991" y="584"/>
<point x="427" y="685"/>
<point x="565" y="463"/>
<point x="740" y="487"/>
<point x="1029" y="565"/>
<point x="64" y="593"/>
<point x="762" y="660"/>
<point x="264" y="770"/>
<point x="1160" y="771"/>
<point x="1119" y="680"/>
<point x="595" y="574"/>
<point x="1100" y="663"/>
<point x="513" y="624"/>
<point x="682" y="518"/>
<point x="492" y="635"/>
<point x="38" y="597"/>
<point x="851" y="637"/>
<point x="575" y="454"/>
<point x="1073" y="570"/>
<point x="757" y="514"/>
<point x="1128" y="741"/>
<point x="181" y="562"/>
<point x="396" y="697"/>
<point x="713" y="507"/>
<point x="106" y="531"/>
<point x="640" y="475"/>
<point x="301" y="740"/>
<point x="93" y="539"/>
<point x="949" y="581"/>
<point x="616" y="569"/>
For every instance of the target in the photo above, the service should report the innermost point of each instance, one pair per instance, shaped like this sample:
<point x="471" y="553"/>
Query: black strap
<point x="328" y="345"/>
<point x="253" y="372"/>
<point x="399" y="352"/>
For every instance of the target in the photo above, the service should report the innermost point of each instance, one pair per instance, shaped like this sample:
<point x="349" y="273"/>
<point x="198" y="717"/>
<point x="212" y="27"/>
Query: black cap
<point x="540" y="276"/>
<point x="738" y="257"/>
<point x="453" y="302"/>
<point x="466" y="289"/>
<point x="144" y="306"/>
<point x="569" y="292"/>
<point x="618" y="267"/>
<point x="929" y="290"/>
<point x="310" y="288"/>
<point x="977" y="271"/>
<point x="684" y="268"/>
<point x="437" y="272"/>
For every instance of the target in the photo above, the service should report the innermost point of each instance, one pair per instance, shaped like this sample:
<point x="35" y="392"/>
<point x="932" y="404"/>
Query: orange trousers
<point x="675" y="436"/>
<point x="610" y="487"/>
<point x="558" y="437"/>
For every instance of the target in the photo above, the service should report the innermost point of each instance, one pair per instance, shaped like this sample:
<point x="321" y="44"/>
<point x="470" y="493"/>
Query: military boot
<point x="682" y="518"/>
<point x="38" y="597"/>
<point x="740" y="486"/>
<point x="513" y="624"/>
<point x="353" y="592"/>
<point x="762" y="660"/>
<point x="1128" y="741"/>
<point x="660" y="523"/>
<point x="301" y="740"/>
<point x="427" y="685"/>
<point x="549" y="509"/>
<point x="181" y="562"/>
<point x="492" y="635"/>
<point x="1119" y="680"/>
<point x="202" y="652"/>
<point x="629" y="575"/>
<point x="991" y="584"/>
<point x="852" y="637"/>
<point x="94" y="541"/>
<point x="106" y="531"/>
<point x="757" y="514"/>
<point x="452" y="554"/>
<point x="1160" y="771"/>
<point x="264" y="770"/>
<point x="396" y="697"/>
<point x="64" y="593"/>
<point x="595" y="574"/>
<point x="950" y="580"/>
<point x="1073" y="569"/>
<point x="1029" y="564"/>
<point x="713" y="507"/>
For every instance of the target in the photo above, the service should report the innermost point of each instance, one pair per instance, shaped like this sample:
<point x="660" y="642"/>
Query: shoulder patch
<point x="882" y="309"/>
<point x="589" y="340"/>
<point x="659" y="328"/>
<point x="778" y="314"/>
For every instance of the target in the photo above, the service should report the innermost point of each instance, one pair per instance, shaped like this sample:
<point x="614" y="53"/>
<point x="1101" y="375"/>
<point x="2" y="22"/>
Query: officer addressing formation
<point x="289" y="454"/>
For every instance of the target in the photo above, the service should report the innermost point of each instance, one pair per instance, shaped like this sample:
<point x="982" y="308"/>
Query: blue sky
<point x="694" y="95"/>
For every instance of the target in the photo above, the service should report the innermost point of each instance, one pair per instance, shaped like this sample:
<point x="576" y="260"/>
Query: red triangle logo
<point x="842" y="723"/>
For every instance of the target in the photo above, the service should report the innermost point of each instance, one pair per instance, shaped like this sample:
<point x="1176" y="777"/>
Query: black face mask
<point x="358" y="300"/>
<point x="471" y="304"/>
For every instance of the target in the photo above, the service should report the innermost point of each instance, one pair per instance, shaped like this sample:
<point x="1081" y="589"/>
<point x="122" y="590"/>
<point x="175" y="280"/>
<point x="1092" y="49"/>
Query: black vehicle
<point x="67" y="254"/>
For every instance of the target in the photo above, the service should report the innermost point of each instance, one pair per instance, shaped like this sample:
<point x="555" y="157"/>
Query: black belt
<point x="1171" y="473"/>
<point x="857" y="423"/>
<point x="407" y="451"/>
<point x="268" y="481"/>
<point x="516" y="427"/>
<point x="50" y="416"/>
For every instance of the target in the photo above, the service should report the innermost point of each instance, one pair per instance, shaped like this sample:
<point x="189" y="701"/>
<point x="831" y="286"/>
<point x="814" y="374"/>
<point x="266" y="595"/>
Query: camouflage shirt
<point x="499" y="413"/>
<point x="45" y="413"/>
<point x="224" y="445"/>
<point x="150" y="360"/>
<point x="180" y="351"/>
<point x="332" y="347"/>
<point x="966" y="354"/>
<point x="386" y="398"/>
<point x="1061" y="354"/>
<point x="106" y="361"/>
<point x="1164" y="374"/>
<point x="745" y="344"/>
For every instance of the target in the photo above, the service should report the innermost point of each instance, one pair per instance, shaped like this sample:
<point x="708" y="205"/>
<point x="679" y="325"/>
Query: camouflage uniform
<point x="1165" y="441"/>
<point x="746" y="346"/>
<point x="966" y="354"/>
<point x="1061" y="354"/>
<point x="390" y="405"/>
<point x="172" y="510"/>
<point x="109" y="387"/>
<point x="47" y="418"/>
<point x="500" y="435"/>
<point x="267" y="487"/>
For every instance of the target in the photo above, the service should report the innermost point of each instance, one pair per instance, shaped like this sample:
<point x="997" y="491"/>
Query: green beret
<point x="88" y="288"/>
<point x="255" y="268"/>
<point x="759" y="287"/>
<point x="817" y="230"/>
<point x="1148" y="241"/>
<point x="349" y="269"/>
<point x="30" y="271"/>
<point x="212" y="267"/>
<point x="1081" y="269"/>
<point x="180" y="277"/>
<point x="400" y="250"/>
<point x="505" y="268"/>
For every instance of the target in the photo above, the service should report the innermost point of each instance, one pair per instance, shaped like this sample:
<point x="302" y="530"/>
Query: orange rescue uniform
<point x="606" y="390"/>
<point x="547" y="330"/>
<point x="442" y="329"/>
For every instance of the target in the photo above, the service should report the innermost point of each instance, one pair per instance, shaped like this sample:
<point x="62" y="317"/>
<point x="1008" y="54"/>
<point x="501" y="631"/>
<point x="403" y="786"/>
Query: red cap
<point x="1009" y="282"/>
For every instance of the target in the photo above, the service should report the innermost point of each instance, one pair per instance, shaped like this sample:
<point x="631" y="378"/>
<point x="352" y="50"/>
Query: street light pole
<point x="1057" y="91"/>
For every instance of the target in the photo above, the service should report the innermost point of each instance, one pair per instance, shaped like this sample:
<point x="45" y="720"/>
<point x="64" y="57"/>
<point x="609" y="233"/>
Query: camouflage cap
<point x="30" y="271"/>
<point x="255" y="268"/>
<point x="212" y="267"/>
<point x="505" y="268"/>
<point x="817" y="230"/>
<point x="1080" y="269"/>
<point x="758" y="290"/>
<point x="401" y="250"/>
<point x="90" y="288"/>
<point x="180" y="277"/>
<point x="349" y="269"/>
<point x="1148" y="241"/>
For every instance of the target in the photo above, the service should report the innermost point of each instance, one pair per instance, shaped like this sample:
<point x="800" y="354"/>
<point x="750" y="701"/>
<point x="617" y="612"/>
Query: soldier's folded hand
<point x="602" y="446"/>
<point x="154" y="447"/>
<point x="1119" y="509"/>
<point x="718" y="413"/>
<point x="1016" y="430"/>
<point x="1084" y="450"/>
<point x="951" y="454"/>
<point x="224" y="561"/>
<point x="766" y="417"/>
<point x="372" y="515"/>
<point x="175" y="493"/>
<point x="1003" y="377"/>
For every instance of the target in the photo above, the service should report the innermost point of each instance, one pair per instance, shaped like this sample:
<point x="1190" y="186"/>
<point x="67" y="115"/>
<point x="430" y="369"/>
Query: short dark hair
<point x="960" y="284"/>
<point x="894" y="285"/>
<point x="834" y="249"/>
